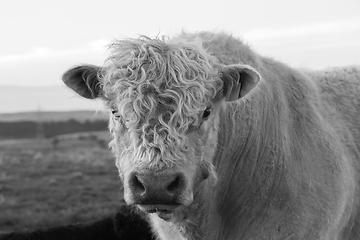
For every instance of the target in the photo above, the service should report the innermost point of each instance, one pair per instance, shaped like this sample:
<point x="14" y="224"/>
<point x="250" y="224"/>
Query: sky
<point x="41" y="39"/>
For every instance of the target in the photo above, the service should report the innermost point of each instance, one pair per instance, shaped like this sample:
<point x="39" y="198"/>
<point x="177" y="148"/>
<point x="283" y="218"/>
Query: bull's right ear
<point x="238" y="81"/>
<point x="83" y="80"/>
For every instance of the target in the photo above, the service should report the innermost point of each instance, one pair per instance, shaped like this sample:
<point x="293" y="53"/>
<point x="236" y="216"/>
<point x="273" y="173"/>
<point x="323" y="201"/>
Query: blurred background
<point x="55" y="167"/>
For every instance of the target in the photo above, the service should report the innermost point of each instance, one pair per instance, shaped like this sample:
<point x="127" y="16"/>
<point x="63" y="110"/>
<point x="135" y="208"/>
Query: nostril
<point x="137" y="185"/>
<point x="175" y="185"/>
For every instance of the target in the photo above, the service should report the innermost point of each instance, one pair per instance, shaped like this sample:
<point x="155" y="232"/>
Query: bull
<point x="214" y="141"/>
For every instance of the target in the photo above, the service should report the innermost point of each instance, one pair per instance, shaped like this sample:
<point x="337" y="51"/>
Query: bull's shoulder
<point x="339" y="87"/>
<point x="340" y="79"/>
<point x="339" y="96"/>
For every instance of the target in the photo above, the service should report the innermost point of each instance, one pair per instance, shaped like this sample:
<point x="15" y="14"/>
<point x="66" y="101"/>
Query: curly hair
<point x="159" y="89"/>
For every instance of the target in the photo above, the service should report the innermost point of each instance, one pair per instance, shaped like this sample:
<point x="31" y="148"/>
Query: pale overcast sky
<point x="40" y="39"/>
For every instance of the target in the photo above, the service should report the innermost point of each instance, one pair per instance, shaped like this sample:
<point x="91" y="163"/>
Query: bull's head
<point x="164" y="100"/>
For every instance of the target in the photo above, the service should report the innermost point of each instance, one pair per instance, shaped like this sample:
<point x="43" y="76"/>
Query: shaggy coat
<point x="214" y="141"/>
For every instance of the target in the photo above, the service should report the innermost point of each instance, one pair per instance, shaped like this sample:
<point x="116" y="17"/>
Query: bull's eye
<point x="115" y="113"/>
<point x="118" y="118"/>
<point x="206" y="113"/>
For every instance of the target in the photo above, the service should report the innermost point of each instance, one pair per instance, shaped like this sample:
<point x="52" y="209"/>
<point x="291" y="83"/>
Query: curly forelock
<point x="159" y="87"/>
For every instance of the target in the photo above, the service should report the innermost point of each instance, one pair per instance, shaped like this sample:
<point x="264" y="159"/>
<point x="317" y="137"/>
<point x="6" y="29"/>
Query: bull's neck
<point x="249" y="161"/>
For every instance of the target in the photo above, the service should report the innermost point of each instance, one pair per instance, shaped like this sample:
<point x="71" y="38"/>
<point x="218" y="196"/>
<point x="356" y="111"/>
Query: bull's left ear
<point x="83" y="80"/>
<point x="239" y="80"/>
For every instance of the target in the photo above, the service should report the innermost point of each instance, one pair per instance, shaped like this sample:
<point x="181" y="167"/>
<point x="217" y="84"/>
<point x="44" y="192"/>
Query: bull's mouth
<point x="164" y="212"/>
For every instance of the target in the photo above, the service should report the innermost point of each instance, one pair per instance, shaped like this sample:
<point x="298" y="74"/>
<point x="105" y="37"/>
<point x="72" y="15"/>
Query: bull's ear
<point x="83" y="80"/>
<point x="238" y="81"/>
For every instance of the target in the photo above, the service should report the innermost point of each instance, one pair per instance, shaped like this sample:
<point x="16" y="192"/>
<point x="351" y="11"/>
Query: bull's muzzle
<point x="159" y="192"/>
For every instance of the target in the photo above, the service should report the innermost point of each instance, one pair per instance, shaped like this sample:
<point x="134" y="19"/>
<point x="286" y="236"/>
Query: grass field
<point x="43" y="184"/>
